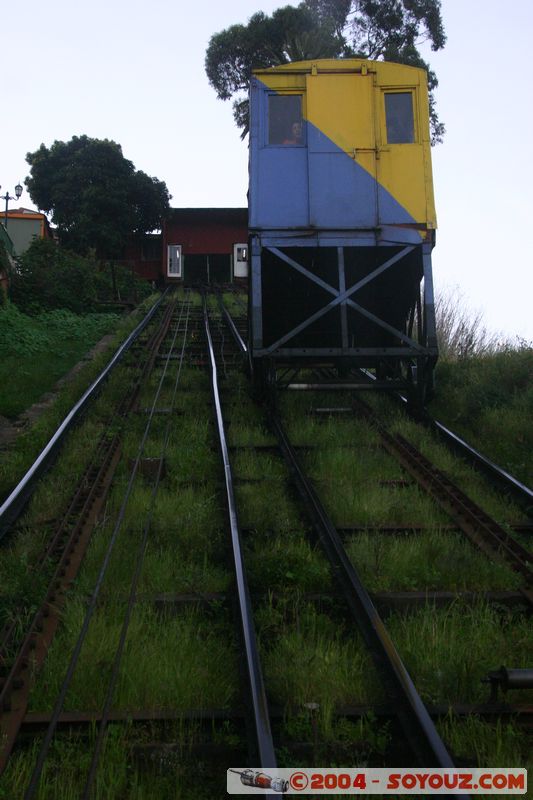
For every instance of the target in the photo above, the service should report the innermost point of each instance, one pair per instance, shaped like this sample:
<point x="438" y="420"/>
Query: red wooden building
<point x="196" y="245"/>
<point x="204" y="245"/>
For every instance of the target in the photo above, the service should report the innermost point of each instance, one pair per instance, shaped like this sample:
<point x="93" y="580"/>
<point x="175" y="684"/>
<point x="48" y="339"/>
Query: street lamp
<point x="7" y="197"/>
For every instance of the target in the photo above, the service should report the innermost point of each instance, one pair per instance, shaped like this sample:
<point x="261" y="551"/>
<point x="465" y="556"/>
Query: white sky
<point x="133" y="72"/>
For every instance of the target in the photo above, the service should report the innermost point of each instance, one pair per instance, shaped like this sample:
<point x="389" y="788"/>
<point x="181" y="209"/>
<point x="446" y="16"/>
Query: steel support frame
<point x="411" y="361"/>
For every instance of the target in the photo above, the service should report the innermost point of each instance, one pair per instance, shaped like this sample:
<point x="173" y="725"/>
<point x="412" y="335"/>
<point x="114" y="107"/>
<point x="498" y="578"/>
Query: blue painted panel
<point x="282" y="189"/>
<point x="317" y="186"/>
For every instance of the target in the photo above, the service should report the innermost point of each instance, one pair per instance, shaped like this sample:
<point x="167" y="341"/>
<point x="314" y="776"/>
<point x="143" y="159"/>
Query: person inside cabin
<point x="296" y="134"/>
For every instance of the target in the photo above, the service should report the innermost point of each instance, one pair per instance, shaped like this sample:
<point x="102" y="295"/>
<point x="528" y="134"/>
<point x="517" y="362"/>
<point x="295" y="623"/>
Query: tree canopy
<point x="96" y="197"/>
<point x="391" y="30"/>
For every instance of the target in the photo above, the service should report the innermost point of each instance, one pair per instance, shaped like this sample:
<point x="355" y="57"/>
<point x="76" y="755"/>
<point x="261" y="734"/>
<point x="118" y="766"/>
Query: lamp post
<point x="7" y="197"/>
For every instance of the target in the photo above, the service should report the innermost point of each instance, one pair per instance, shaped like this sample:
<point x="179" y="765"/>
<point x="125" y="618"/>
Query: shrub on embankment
<point x="484" y="386"/>
<point x="48" y="276"/>
<point x="51" y="319"/>
<point x="488" y="399"/>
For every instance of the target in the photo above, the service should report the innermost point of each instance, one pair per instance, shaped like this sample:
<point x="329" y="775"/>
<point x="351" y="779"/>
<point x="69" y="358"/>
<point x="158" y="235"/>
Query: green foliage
<point x="118" y="282"/>
<point x="489" y="400"/>
<point x="23" y="335"/>
<point x="290" y="34"/>
<point x="375" y="29"/>
<point x="96" y="197"/>
<point x="49" y="277"/>
<point x="4" y="259"/>
<point x="35" y="351"/>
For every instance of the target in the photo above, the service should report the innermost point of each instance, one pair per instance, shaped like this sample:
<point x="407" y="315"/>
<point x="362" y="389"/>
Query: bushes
<point x="22" y="335"/>
<point x="48" y="277"/>
<point x="461" y="332"/>
<point x="489" y="400"/>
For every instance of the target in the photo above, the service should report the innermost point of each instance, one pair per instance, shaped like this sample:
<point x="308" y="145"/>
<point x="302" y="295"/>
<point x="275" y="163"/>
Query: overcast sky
<point x="133" y="72"/>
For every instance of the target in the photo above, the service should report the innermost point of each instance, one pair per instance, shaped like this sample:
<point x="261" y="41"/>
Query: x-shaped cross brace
<point x="342" y="296"/>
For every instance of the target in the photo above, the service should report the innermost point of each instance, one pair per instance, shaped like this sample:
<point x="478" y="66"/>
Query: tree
<point x="391" y="30"/>
<point x="96" y="197"/>
<point x="290" y="34"/>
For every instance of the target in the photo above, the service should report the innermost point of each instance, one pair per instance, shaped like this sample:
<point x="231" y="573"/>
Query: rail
<point x="33" y="785"/>
<point x="12" y="507"/>
<point x="265" y="745"/>
<point x="412" y="713"/>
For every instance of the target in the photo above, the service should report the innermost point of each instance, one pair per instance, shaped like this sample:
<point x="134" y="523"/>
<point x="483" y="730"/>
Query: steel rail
<point x="416" y="722"/>
<point x="33" y="785"/>
<point x="75" y="533"/>
<point x="231" y="325"/>
<point x="501" y="477"/>
<point x="520" y="492"/>
<point x="470" y="518"/>
<point x="263" y="733"/>
<point x="15" y="502"/>
<point x="92" y="486"/>
<point x="117" y="661"/>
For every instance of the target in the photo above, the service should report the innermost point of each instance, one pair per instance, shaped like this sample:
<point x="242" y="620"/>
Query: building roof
<point x="29" y="213"/>
<point x="235" y="215"/>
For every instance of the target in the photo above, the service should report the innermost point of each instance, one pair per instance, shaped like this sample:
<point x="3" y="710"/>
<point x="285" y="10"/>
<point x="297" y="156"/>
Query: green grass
<point x="21" y="454"/>
<point x="465" y="476"/>
<point x="431" y="560"/>
<point x="36" y="351"/>
<point x="183" y="556"/>
<point x="310" y="658"/>
<point x="373" y="504"/>
<point x="270" y="510"/>
<point x="182" y="661"/>
<point x="489" y="401"/>
<point x="285" y="562"/>
<point x="449" y="651"/>
<point x="118" y="776"/>
<point x="496" y="744"/>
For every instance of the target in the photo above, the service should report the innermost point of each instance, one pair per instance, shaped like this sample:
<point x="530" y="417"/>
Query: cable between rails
<point x="37" y="772"/>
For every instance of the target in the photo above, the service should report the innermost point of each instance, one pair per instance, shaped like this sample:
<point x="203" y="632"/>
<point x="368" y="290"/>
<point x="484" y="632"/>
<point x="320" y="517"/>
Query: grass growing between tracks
<point x="459" y="470"/>
<point x="185" y="550"/>
<point x="448" y="651"/>
<point x="426" y="561"/>
<point x="119" y="775"/>
<point x="184" y="661"/>
<point x="22" y="575"/>
<point x="285" y="562"/>
<point x="492" y="744"/>
<point x="362" y="485"/>
<point x="310" y="658"/>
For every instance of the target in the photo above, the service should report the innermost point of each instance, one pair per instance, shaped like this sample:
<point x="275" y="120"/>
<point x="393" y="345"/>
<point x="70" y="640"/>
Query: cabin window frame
<point x="409" y="90"/>
<point x="267" y="132"/>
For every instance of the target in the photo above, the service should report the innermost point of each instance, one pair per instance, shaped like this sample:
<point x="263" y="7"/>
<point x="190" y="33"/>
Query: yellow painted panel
<point x="341" y="107"/>
<point x="401" y="172"/>
<point x="344" y="99"/>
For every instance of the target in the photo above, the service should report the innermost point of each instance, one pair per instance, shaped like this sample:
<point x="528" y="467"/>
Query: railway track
<point x="205" y="629"/>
